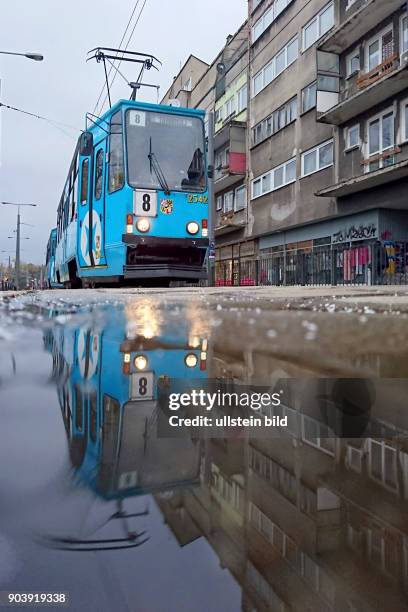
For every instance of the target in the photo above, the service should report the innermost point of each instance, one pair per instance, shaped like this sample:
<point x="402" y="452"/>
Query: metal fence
<point x="375" y="264"/>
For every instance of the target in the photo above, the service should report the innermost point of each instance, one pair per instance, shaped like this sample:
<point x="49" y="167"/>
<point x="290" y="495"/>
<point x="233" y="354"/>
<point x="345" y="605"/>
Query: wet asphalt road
<point x="94" y="503"/>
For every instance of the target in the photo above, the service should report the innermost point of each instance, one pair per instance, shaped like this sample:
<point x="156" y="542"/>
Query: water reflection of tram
<point x="107" y="387"/>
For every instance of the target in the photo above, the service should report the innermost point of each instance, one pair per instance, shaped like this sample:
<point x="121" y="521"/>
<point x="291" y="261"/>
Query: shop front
<point x="364" y="249"/>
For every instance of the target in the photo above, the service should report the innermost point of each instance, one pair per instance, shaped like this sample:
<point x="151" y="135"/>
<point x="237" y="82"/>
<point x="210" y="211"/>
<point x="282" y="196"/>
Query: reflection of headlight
<point x="193" y="227"/>
<point x="143" y="225"/>
<point x="191" y="360"/>
<point x="140" y="362"/>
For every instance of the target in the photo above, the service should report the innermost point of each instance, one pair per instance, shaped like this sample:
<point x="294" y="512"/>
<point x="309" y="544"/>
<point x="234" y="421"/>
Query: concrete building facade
<point x="311" y="142"/>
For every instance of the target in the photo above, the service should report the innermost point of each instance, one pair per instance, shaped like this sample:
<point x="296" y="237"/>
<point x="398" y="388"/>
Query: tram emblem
<point x="95" y="248"/>
<point x="166" y="206"/>
<point x="88" y="353"/>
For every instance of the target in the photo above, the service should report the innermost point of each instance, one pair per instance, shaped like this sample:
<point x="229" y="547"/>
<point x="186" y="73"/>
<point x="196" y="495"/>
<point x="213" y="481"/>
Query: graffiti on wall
<point x="352" y="233"/>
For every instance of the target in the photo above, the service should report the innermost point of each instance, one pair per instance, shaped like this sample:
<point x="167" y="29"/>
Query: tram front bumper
<point x="156" y="241"/>
<point x="170" y="258"/>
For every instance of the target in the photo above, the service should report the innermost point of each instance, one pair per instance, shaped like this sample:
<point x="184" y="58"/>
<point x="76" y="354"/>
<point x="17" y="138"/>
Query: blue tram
<point x="50" y="261"/>
<point x="135" y="206"/>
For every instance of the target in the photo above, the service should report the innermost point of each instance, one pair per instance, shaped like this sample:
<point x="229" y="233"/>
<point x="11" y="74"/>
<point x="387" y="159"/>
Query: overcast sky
<point x="35" y="155"/>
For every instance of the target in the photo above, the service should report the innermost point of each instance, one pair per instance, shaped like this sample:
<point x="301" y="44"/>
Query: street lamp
<point x="17" y="263"/>
<point x="37" y="57"/>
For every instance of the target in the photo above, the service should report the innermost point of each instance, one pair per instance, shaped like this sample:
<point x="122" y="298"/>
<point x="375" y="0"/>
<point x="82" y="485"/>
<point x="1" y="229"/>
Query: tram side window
<point x="116" y="161"/>
<point x="66" y="203"/>
<point x="99" y="174"/>
<point x="74" y="189"/>
<point x="84" y="182"/>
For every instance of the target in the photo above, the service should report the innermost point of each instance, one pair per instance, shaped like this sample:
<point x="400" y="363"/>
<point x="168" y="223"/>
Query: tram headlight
<point x="193" y="228"/>
<point x="191" y="360"/>
<point x="143" y="225"/>
<point x="140" y="362"/>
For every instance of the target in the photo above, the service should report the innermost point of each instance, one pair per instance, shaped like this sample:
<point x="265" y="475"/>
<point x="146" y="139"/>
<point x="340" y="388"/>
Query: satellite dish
<point x="221" y="68"/>
<point x="174" y="102"/>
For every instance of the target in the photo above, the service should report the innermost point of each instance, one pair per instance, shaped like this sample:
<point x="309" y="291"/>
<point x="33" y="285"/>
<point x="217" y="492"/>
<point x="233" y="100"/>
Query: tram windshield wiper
<point x="155" y="166"/>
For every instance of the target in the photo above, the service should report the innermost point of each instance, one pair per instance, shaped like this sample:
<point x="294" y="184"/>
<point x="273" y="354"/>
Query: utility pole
<point x="211" y="210"/>
<point x="17" y="262"/>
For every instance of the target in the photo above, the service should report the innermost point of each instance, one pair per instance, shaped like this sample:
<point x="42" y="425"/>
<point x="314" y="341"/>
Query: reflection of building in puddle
<point x="309" y="521"/>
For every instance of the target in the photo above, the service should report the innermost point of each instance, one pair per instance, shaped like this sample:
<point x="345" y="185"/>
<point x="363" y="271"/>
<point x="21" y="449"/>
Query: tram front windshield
<point x="173" y="144"/>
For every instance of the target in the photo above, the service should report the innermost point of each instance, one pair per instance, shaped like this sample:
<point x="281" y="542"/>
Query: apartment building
<point x="222" y="88"/>
<point x="328" y="136"/>
<point x="311" y="142"/>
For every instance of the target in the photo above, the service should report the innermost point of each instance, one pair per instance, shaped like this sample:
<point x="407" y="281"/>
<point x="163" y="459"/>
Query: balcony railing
<point x="390" y="64"/>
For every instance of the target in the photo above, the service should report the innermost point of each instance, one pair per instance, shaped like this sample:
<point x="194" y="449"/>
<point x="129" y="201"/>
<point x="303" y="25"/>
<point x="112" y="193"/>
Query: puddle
<point x="94" y="503"/>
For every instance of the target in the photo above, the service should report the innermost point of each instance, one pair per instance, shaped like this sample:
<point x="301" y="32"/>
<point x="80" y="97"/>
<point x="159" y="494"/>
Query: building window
<point x="229" y="201"/>
<point x="229" y="107"/>
<point x="379" y="49"/>
<point x="242" y="98"/>
<point x="404" y="33"/>
<point x="268" y="17"/>
<point x="319" y="25"/>
<point x="276" y="66"/>
<point x="279" y="119"/>
<point x="318" y="158"/>
<point x="383" y="464"/>
<point x="404" y="121"/>
<point x="275" y="179"/>
<point x="240" y="198"/>
<point x="353" y="137"/>
<point x="317" y="434"/>
<point x="381" y="139"/>
<point x="219" y="202"/>
<point x="353" y="63"/>
<point x="309" y="97"/>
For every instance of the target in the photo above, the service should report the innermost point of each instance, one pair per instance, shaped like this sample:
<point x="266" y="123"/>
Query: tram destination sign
<point x="140" y="118"/>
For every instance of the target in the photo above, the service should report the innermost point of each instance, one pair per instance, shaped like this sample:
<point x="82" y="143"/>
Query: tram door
<point x="91" y="211"/>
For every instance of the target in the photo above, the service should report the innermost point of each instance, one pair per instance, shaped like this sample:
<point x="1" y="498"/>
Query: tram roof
<point x="192" y="112"/>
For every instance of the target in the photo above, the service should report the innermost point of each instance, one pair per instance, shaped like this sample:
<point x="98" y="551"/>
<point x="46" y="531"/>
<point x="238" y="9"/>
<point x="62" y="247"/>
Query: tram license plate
<point x="141" y="386"/>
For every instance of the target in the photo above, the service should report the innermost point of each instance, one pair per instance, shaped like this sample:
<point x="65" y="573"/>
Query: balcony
<point x="369" y="180"/>
<point x="350" y="31"/>
<point x="365" y="91"/>
<point x="229" y="222"/>
<point x="230" y="155"/>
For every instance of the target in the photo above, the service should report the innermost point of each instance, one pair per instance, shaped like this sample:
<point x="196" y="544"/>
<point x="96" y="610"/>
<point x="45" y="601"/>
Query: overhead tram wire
<point x="117" y="54"/>
<point x="57" y="124"/>
<point x="125" y="49"/>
